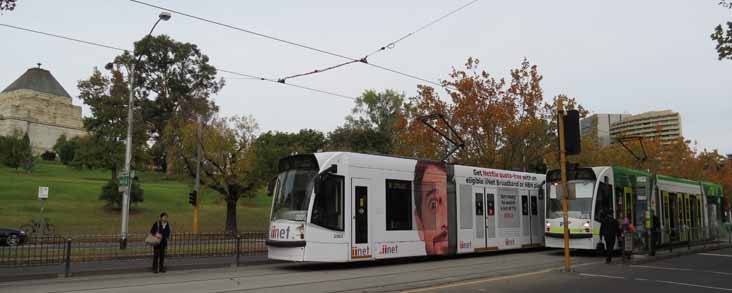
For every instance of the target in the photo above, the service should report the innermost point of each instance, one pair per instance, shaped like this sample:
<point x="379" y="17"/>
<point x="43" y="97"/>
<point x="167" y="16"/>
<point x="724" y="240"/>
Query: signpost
<point x="42" y="196"/>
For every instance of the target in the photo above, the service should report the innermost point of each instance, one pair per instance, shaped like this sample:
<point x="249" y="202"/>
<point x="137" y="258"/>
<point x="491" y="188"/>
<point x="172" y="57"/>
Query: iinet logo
<point x="279" y="233"/>
<point x="357" y="251"/>
<point x="386" y="249"/>
<point x="464" y="245"/>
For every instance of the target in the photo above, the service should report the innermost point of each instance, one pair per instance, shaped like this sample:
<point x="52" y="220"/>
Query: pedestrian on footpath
<point x="161" y="229"/>
<point x="609" y="231"/>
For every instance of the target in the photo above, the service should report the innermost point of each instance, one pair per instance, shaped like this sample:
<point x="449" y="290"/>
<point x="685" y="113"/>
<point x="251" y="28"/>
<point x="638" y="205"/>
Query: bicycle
<point x="38" y="226"/>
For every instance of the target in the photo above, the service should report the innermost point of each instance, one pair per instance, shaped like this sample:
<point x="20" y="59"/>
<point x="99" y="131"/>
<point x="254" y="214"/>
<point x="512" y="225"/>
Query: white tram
<point x="341" y="207"/>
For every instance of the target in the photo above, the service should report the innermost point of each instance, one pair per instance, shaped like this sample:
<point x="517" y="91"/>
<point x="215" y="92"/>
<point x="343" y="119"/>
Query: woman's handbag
<point x="154" y="239"/>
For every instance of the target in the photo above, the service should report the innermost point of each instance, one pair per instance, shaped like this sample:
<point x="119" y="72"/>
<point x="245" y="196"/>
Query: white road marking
<point x="695" y="285"/>
<point x="602" y="276"/>
<point x="715" y="254"/>
<point x="683" y="270"/>
<point x="641" y="279"/>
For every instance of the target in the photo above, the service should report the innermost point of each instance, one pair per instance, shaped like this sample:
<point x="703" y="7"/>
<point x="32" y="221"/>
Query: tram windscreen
<point x="580" y="202"/>
<point x="292" y="195"/>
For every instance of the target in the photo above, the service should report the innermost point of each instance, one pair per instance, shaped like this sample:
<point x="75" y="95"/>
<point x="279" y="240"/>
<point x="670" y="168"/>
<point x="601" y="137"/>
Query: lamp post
<point x="164" y="16"/>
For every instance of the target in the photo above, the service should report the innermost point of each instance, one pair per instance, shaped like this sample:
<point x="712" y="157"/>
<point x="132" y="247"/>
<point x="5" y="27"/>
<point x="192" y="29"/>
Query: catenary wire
<point x="389" y="45"/>
<point x="219" y="69"/>
<point x="286" y="42"/>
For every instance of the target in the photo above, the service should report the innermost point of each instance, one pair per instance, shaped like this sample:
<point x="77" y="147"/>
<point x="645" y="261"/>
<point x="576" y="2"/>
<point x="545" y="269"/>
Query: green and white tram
<point x="684" y="209"/>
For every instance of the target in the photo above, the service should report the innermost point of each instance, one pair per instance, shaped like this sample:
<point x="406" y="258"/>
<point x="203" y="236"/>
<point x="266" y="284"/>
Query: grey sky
<point x="615" y="56"/>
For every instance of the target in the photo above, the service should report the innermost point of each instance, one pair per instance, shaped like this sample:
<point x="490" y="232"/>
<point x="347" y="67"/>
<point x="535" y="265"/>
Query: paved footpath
<point x="387" y="276"/>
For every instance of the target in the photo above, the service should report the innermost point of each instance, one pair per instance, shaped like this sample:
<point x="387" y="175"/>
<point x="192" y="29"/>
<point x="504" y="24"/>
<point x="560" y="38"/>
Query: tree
<point x="8" y="5"/>
<point x="104" y="147"/>
<point x="26" y="154"/>
<point x="723" y="36"/>
<point x="271" y="146"/>
<point x="175" y="82"/>
<point x="228" y="165"/>
<point x="12" y="150"/>
<point x="373" y="117"/>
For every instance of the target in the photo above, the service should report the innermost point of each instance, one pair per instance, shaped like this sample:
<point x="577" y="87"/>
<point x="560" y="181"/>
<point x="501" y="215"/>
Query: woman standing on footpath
<point x="161" y="230"/>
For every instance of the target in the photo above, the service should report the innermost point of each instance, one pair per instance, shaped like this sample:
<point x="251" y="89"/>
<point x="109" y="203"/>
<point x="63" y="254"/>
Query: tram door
<point x="537" y="224"/>
<point x="490" y="218"/>
<point x="479" y="216"/>
<point x="360" y="247"/>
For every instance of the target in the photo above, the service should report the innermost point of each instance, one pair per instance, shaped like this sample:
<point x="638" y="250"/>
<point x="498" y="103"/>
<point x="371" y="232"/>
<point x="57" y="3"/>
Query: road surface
<point x="528" y="271"/>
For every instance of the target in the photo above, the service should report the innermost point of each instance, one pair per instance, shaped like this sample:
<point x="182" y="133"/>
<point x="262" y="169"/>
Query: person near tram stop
<point x="161" y="229"/>
<point x="609" y="231"/>
<point x="430" y="185"/>
<point x="656" y="230"/>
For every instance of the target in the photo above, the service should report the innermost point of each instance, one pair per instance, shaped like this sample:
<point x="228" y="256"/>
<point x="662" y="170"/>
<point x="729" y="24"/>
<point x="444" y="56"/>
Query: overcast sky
<point x="614" y="56"/>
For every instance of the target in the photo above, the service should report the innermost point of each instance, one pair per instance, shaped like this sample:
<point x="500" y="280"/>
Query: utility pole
<point x="198" y="175"/>
<point x="564" y="195"/>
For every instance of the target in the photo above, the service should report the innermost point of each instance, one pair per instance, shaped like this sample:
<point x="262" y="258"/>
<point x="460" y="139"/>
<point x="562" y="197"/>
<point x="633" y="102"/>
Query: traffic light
<point x="192" y="196"/>
<point x="572" y="133"/>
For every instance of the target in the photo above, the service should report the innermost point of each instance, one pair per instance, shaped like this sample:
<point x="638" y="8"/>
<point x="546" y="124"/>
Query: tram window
<point x="398" y="205"/>
<point x="603" y="201"/>
<point x="328" y="205"/>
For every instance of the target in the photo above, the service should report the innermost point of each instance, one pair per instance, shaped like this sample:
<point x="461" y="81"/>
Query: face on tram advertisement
<point x="430" y="197"/>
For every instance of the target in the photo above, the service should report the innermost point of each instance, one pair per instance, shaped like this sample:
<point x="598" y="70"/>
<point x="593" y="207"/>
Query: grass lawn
<point x="74" y="208"/>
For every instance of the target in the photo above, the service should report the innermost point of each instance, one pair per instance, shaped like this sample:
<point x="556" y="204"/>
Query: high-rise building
<point x="664" y="124"/>
<point x="599" y="125"/>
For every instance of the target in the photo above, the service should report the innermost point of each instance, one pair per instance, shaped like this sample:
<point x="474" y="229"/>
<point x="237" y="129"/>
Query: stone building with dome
<point x="36" y="103"/>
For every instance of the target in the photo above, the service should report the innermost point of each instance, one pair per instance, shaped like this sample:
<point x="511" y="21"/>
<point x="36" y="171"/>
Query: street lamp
<point x="164" y="16"/>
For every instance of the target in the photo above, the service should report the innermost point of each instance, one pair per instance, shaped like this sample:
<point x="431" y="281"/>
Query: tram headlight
<point x="301" y="229"/>
<point x="587" y="226"/>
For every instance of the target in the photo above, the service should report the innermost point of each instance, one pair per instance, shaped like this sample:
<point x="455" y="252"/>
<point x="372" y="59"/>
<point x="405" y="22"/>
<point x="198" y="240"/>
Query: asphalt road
<point x="527" y="271"/>
<point x="389" y="276"/>
<point x="702" y="272"/>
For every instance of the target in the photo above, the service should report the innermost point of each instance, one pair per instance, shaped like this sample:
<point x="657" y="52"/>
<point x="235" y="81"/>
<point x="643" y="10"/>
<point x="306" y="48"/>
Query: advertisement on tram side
<point x="430" y="201"/>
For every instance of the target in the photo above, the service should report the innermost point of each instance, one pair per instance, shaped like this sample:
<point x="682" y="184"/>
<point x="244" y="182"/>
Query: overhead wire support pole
<point x="564" y="193"/>
<point x="197" y="205"/>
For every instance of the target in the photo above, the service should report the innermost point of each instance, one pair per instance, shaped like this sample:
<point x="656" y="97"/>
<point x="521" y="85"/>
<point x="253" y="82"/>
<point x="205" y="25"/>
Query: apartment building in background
<point x="599" y="125"/>
<point x="666" y="124"/>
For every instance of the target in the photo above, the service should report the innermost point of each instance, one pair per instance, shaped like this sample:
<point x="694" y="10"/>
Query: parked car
<point x="12" y="237"/>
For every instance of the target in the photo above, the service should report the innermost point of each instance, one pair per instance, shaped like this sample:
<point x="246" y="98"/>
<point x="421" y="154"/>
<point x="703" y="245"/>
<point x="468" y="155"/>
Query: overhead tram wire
<point x="389" y="45"/>
<point x="326" y="52"/>
<point x="219" y="69"/>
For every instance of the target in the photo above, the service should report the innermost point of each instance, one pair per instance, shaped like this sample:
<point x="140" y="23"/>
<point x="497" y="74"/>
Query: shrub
<point x="67" y="149"/>
<point x="48" y="156"/>
<point x="110" y="194"/>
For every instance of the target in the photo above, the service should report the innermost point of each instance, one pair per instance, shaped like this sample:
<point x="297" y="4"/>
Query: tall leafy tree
<point x="107" y="98"/>
<point x="271" y="146"/>
<point x="228" y="165"/>
<point x="373" y="117"/>
<point x="176" y="81"/>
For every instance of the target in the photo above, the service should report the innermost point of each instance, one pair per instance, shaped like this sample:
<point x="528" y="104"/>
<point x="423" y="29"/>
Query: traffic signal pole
<point x="198" y="176"/>
<point x="564" y="195"/>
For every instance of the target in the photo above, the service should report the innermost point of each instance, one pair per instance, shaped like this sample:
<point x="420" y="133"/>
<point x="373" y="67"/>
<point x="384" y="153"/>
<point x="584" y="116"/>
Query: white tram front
<point x="340" y="207"/>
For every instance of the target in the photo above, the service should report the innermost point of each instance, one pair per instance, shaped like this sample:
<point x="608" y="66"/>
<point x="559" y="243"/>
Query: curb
<point x="102" y="272"/>
<point x="679" y="253"/>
